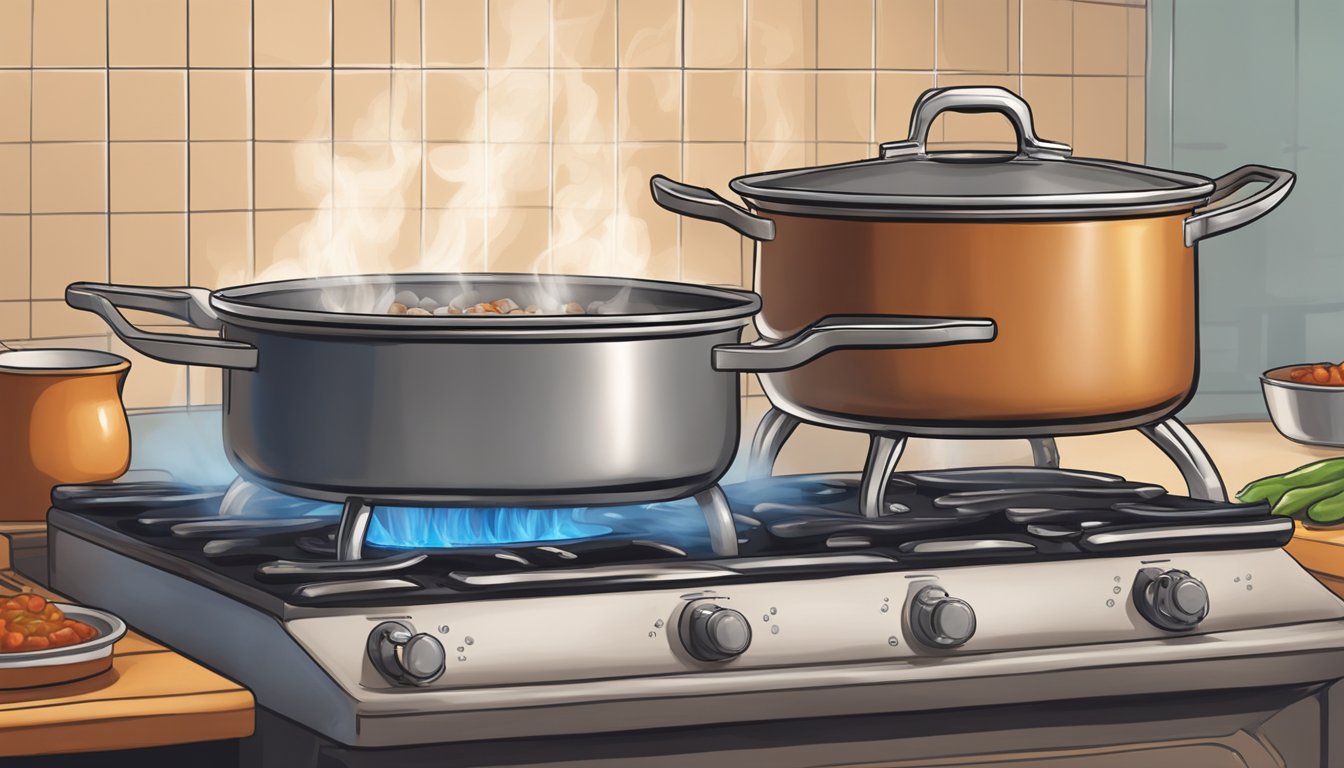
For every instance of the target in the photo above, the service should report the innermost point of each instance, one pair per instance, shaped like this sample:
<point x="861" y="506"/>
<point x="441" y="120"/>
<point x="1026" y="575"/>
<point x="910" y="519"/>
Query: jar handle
<point x="974" y="99"/>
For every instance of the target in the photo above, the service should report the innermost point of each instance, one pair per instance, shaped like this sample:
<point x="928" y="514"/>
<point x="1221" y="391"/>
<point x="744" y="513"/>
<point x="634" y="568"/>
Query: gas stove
<point x="467" y="624"/>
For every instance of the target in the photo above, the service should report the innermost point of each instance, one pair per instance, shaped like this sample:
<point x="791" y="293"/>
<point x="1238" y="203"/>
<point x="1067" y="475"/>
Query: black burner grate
<point x="955" y="517"/>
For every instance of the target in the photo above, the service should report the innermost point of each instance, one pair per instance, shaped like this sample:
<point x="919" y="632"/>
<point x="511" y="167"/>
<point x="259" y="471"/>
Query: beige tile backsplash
<point x="215" y="142"/>
<point x="147" y="105"/>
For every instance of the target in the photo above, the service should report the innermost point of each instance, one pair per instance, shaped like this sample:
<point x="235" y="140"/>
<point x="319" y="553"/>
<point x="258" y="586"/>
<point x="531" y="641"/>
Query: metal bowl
<point x="110" y="629"/>
<point x="1307" y="413"/>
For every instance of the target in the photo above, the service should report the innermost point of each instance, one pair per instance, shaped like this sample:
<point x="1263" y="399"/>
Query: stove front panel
<point x="841" y="620"/>
<point x="320" y="681"/>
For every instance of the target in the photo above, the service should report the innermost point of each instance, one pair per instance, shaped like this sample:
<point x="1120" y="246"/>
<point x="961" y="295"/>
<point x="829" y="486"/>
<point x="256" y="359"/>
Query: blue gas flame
<point x="439" y="528"/>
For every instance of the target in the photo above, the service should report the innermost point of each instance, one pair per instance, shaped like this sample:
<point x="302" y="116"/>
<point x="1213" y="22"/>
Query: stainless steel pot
<point x="325" y="398"/>
<point x="1087" y="266"/>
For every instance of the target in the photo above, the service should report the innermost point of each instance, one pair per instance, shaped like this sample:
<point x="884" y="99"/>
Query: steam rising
<point x="486" y="198"/>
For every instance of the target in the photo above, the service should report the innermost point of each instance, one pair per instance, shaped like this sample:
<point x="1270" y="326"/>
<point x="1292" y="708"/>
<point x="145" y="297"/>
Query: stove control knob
<point x="711" y="632"/>
<point x="1172" y="600"/>
<point x="939" y="620"/>
<point x="404" y="657"/>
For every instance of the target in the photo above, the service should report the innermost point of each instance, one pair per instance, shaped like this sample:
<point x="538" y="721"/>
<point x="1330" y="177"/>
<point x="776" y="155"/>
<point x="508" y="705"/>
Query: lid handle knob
<point x="936" y="101"/>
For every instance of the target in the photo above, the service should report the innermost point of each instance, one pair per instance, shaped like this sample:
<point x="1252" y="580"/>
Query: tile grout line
<point x="252" y="137"/>
<point x="1021" y="75"/>
<point x="1171" y="93"/>
<point x="331" y="126"/>
<point x="489" y="154"/>
<point x="186" y="83"/>
<point x="681" y="131"/>
<point x="937" y="44"/>
<point x="567" y="68"/>
<point x="32" y="60"/>
<point x="550" y="131"/>
<point x="872" y="85"/>
<point x="425" y="167"/>
<point x="266" y="209"/>
<point x="107" y="135"/>
<point x="391" y="67"/>
<point x="619" y="198"/>
<point x="745" y="275"/>
<point x="376" y="69"/>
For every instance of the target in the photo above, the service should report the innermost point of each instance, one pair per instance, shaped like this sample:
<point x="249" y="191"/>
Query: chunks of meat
<point x="407" y="303"/>
<point x="30" y="623"/>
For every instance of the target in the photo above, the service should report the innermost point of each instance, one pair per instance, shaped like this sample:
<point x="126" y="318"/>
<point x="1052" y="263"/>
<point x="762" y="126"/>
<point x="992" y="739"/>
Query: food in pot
<point x="1315" y="490"/>
<point x="30" y="623"/>
<point x="407" y="303"/>
<point x="1329" y="375"/>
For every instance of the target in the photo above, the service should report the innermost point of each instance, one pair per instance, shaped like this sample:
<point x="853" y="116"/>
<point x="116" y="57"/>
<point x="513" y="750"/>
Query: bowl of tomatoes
<point x="44" y="642"/>
<point x="1306" y="402"/>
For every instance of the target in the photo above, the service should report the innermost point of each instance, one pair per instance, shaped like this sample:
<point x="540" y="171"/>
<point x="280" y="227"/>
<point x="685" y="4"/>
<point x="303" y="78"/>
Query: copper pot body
<point x="1097" y="322"/>
<point x="61" y="421"/>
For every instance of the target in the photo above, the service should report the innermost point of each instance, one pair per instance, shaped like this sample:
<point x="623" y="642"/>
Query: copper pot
<point x="61" y="421"/>
<point x="1086" y="266"/>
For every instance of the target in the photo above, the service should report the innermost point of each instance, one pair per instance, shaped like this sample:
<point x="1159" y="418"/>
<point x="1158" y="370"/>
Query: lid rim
<point x="970" y="215"/>
<point x="1190" y="190"/>
<point x="248" y="305"/>
<point x="61" y="361"/>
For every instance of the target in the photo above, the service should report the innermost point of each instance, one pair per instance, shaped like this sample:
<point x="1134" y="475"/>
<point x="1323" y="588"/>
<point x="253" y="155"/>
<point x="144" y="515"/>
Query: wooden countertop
<point x="151" y="697"/>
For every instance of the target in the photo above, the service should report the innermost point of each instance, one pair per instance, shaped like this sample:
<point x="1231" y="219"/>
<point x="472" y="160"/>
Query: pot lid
<point x="1041" y="179"/>
<point x="355" y="305"/>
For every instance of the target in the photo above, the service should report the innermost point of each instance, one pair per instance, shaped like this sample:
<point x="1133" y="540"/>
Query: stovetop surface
<point x="788" y="527"/>
<point x="283" y="549"/>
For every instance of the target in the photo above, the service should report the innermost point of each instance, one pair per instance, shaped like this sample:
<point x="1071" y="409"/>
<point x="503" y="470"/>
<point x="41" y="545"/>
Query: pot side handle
<point x="852" y="332"/>
<point x="1216" y="220"/>
<point x="187" y="304"/>
<point x="701" y="203"/>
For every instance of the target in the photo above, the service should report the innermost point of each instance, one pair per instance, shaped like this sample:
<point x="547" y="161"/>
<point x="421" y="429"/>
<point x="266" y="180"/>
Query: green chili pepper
<point x="1329" y="510"/>
<point x="1273" y="488"/>
<point x="1297" y="500"/>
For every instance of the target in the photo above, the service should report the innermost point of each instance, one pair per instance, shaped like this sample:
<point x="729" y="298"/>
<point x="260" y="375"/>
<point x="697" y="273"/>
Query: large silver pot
<point x="539" y="410"/>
